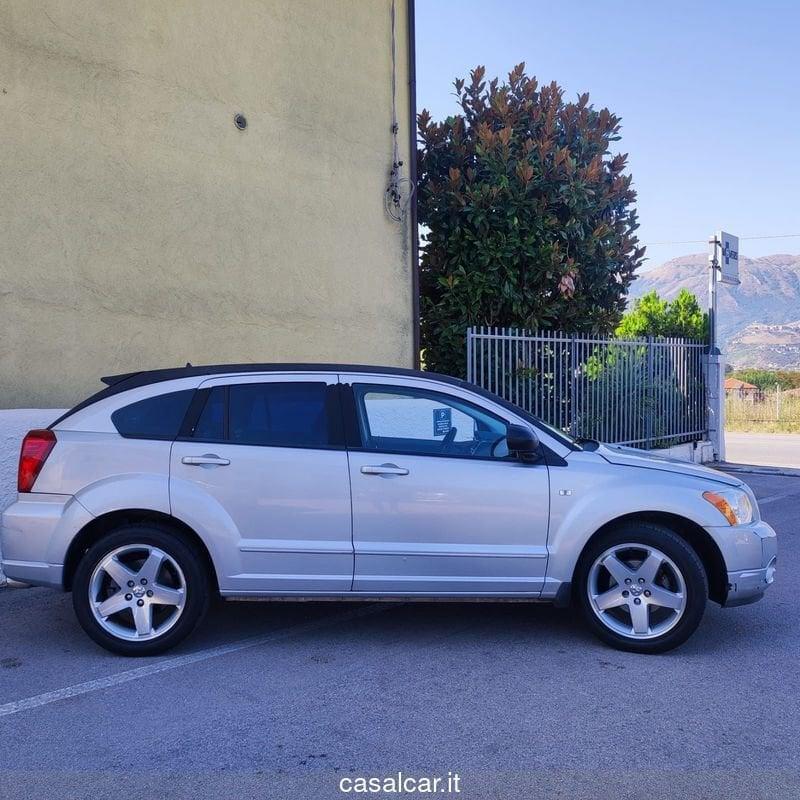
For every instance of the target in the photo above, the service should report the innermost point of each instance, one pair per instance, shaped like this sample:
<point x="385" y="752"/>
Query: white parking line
<point x="46" y="698"/>
<point x="778" y="496"/>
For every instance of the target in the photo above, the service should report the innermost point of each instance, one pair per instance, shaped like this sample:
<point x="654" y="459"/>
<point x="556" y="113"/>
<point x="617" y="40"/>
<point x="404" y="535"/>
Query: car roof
<point x="115" y="384"/>
<point x="131" y="380"/>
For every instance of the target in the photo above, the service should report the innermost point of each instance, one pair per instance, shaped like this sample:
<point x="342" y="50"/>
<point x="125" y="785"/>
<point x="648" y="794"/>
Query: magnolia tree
<point x="528" y="217"/>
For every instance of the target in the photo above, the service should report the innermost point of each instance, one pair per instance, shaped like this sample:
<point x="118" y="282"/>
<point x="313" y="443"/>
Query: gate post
<point x="469" y="354"/>
<point x="573" y="382"/>
<point x="651" y="395"/>
<point x="714" y="368"/>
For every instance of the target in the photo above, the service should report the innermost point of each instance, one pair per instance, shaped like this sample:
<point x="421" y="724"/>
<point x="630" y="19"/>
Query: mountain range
<point x="758" y="322"/>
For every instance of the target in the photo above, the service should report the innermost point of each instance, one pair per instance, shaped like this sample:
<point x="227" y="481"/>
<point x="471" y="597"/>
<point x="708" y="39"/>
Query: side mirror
<point x="522" y="440"/>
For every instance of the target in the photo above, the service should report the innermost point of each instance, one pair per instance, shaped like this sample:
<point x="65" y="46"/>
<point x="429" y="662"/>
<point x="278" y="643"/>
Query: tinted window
<point x="281" y="414"/>
<point x="405" y="420"/>
<point x="157" y="417"/>
<point x="211" y="423"/>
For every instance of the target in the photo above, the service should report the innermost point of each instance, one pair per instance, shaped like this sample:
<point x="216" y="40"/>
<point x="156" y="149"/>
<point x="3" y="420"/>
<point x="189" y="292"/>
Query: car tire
<point x="641" y="588"/>
<point x="121" y="579"/>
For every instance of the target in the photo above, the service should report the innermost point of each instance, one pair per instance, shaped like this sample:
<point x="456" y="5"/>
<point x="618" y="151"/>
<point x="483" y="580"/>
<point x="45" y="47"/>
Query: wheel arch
<point x="94" y="530"/>
<point x="693" y="534"/>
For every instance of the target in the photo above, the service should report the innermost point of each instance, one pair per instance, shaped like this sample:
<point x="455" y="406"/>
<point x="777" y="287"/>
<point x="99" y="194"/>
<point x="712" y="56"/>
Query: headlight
<point x="733" y="504"/>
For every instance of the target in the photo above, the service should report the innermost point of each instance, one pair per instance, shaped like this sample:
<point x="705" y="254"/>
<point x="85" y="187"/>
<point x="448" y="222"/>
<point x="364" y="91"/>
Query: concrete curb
<point x="8" y="583"/>
<point x="757" y="469"/>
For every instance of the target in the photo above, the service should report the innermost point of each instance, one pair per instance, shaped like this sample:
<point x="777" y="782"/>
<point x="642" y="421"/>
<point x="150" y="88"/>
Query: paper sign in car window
<point x="442" y="421"/>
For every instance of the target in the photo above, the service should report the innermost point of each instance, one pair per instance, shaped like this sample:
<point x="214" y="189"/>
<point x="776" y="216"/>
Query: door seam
<point x="339" y="387"/>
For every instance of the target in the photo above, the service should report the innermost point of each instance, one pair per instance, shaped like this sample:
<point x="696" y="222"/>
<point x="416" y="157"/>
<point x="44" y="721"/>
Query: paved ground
<point x="519" y="701"/>
<point x="768" y="449"/>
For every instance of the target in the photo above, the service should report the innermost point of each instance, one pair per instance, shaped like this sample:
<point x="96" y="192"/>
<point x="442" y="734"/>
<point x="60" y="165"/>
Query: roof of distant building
<point x="735" y="383"/>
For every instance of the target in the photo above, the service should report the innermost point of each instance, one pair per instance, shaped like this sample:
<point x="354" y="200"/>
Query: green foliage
<point x="641" y="388"/>
<point x="766" y="380"/>
<point x="530" y="221"/>
<point x="652" y="316"/>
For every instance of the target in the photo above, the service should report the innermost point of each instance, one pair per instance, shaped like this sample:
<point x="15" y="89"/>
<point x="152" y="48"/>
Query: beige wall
<point x="141" y="229"/>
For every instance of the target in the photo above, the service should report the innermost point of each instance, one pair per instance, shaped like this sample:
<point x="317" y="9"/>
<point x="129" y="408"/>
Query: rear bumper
<point x="35" y="533"/>
<point x="36" y="573"/>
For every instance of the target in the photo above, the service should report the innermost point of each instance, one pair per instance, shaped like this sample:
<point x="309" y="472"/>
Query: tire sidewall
<point x="194" y="572"/>
<point x="684" y="557"/>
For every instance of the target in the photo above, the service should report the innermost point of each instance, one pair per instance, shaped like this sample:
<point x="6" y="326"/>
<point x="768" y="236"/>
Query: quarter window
<point x="158" y="417"/>
<point x="211" y="424"/>
<point x="417" y="421"/>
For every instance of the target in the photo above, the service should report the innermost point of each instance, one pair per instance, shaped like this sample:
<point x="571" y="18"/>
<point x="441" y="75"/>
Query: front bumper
<point x="748" y="585"/>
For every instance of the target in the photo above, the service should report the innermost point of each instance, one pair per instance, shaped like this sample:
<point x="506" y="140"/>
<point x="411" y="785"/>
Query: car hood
<point x="630" y="457"/>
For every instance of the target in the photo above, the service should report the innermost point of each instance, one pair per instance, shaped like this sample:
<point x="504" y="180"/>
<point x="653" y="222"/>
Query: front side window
<point x="418" y="421"/>
<point x="158" y="417"/>
<point x="292" y="414"/>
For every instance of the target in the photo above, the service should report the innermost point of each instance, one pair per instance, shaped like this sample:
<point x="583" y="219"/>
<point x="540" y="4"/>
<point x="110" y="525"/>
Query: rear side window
<point x="157" y="417"/>
<point x="292" y="414"/>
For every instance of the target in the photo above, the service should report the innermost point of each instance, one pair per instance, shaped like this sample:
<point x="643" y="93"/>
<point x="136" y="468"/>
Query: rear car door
<point x="439" y="505"/>
<point x="263" y="465"/>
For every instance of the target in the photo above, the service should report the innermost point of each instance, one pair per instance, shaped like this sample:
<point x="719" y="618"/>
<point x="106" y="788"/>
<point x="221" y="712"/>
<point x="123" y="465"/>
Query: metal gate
<point x="640" y="392"/>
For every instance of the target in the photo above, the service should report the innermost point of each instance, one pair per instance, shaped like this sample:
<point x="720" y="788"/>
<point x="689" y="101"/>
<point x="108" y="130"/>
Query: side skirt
<point x="362" y="597"/>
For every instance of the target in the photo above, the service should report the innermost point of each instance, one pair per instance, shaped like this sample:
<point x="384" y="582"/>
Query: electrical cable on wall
<point x="399" y="191"/>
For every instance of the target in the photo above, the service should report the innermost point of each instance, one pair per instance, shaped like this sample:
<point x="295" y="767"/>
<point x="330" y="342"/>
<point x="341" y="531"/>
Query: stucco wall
<point x="142" y="229"/>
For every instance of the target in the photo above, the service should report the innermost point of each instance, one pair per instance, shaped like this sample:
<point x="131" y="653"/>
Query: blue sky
<point x="708" y="92"/>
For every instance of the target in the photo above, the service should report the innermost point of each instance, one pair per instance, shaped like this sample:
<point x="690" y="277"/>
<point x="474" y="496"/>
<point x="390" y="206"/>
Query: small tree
<point x="652" y="316"/>
<point x="530" y="221"/>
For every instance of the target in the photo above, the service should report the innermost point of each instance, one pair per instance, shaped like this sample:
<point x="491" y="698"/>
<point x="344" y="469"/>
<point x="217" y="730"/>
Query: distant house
<point x="733" y="386"/>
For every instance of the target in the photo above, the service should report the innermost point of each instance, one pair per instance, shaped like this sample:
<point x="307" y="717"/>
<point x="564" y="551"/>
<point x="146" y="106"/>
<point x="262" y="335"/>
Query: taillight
<point x="36" y="446"/>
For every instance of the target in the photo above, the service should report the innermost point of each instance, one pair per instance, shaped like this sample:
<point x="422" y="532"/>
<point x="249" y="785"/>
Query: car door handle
<point x="209" y="459"/>
<point x="384" y="469"/>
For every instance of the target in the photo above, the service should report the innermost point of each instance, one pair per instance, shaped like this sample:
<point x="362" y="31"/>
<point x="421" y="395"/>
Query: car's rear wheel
<point x="641" y="588"/>
<point x="140" y="590"/>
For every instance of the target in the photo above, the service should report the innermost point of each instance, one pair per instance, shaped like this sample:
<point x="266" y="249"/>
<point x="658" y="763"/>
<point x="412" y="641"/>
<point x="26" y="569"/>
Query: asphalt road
<point x="519" y="701"/>
<point x="764" y="449"/>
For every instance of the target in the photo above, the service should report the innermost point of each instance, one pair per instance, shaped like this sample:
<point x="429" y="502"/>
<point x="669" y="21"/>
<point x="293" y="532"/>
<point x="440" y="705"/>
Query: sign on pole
<point x="728" y="257"/>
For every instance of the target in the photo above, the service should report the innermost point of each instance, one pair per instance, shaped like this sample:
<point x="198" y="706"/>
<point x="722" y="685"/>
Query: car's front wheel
<point x="641" y="588"/>
<point x="140" y="590"/>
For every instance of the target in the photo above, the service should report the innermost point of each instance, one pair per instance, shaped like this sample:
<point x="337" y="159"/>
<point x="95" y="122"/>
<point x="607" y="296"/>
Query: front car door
<point x="439" y="505"/>
<point x="263" y="470"/>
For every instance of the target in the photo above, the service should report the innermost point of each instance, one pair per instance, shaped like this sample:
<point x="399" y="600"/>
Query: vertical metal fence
<point x="642" y="392"/>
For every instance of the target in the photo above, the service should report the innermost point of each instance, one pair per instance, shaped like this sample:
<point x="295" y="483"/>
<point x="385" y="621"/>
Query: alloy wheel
<point x="636" y="591"/>
<point x="137" y="592"/>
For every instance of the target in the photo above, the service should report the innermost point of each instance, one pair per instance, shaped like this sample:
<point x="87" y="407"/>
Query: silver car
<point x="326" y="481"/>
